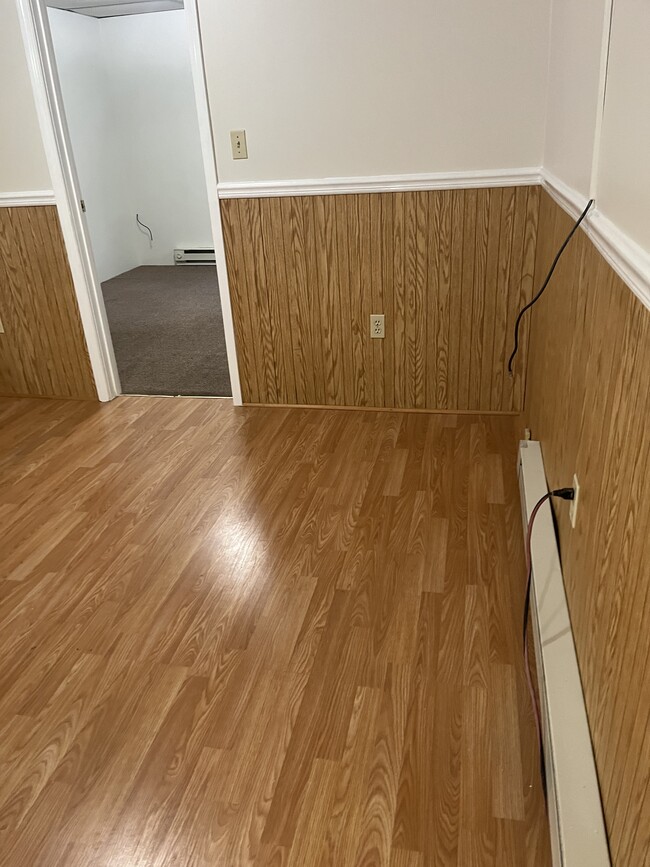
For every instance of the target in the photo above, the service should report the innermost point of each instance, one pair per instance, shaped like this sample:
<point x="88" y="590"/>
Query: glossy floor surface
<point x="262" y="637"/>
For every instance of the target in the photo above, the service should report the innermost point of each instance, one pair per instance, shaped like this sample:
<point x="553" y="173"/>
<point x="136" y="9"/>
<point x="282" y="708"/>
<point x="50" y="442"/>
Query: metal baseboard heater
<point x="577" y="827"/>
<point x="194" y="256"/>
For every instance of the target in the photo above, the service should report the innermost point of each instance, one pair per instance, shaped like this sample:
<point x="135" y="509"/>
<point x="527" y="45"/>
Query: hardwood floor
<point x="262" y="637"/>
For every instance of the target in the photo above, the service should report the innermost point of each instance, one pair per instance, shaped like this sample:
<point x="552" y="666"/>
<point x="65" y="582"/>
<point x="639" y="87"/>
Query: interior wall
<point x="23" y="166"/>
<point x="587" y="400"/>
<point x="153" y="92"/>
<point x="574" y="90"/>
<point x="375" y="87"/>
<point x="624" y="170"/>
<point x="129" y="99"/>
<point x="102" y="155"/>
<point x="448" y="268"/>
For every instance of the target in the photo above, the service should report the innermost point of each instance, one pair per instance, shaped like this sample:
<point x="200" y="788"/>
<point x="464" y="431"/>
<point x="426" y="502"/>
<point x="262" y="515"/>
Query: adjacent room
<point x="128" y="95"/>
<point x="386" y="602"/>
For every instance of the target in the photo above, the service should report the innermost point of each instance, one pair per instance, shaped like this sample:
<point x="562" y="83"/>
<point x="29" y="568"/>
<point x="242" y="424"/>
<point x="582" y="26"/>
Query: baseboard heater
<point x="194" y="256"/>
<point x="578" y="836"/>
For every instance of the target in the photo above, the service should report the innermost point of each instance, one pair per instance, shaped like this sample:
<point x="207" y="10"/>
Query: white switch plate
<point x="376" y="324"/>
<point x="238" y="144"/>
<point x="573" y="505"/>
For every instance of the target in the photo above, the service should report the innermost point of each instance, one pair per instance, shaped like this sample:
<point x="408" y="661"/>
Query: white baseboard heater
<point x="578" y="836"/>
<point x="194" y="256"/>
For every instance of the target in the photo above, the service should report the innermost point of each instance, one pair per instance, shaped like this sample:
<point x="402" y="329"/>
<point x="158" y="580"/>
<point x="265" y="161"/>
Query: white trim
<point x="577" y="827"/>
<point x="29" y="199"/>
<point x="380" y="184"/>
<point x="49" y="108"/>
<point x="630" y="261"/>
<point x="210" y="168"/>
<point x="566" y="197"/>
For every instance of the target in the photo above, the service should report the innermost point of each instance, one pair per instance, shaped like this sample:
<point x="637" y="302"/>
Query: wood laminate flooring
<point x="269" y="637"/>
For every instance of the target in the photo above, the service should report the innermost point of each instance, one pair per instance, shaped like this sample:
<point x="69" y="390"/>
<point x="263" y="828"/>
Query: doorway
<point x="126" y="82"/>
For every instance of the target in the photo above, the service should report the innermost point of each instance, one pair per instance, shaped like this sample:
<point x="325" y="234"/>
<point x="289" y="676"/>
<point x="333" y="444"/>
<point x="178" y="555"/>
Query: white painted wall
<point x="151" y="77"/>
<point x="129" y="99"/>
<point x="375" y="87"/>
<point x="623" y="189"/>
<point x="23" y="165"/>
<point x="574" y="90"/>
<point x="102" y="158"/>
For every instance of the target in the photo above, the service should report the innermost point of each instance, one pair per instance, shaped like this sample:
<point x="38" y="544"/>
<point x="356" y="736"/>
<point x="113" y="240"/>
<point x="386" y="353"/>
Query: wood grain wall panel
<point x="448" y="268"/>
<point x="588" y="401"/>
<point x="43" y="351"/>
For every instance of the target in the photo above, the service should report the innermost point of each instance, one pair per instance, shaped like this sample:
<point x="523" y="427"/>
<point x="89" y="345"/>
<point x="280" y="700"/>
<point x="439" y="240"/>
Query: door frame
<point x="58" y="150"/>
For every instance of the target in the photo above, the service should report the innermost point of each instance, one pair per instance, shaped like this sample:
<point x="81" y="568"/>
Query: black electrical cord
<point x="565" y="494"/>
<point x="144" y="226"/>
<point x="546" y="282"/>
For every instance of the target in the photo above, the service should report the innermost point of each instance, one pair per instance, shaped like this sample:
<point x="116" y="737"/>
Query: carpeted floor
<point x="167" y="330"/>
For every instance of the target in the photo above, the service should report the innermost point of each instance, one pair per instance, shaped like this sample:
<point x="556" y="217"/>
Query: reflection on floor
<point x="249" y="636"/>
<point x="167" y="330"/>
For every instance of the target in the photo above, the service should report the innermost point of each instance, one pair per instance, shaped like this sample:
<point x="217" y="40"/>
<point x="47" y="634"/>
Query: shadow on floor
<point x="167" y="330"/>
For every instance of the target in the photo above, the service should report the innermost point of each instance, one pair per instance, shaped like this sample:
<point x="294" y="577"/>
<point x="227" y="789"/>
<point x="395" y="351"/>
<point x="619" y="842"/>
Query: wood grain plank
<point x="387" y="215"/>
<point x="456" y="343"/>
<point x="344" y="290"/>
<point x="443" y="302"/>
<point x="494" y="227"/>
<point x="43" y="350"/>
<point x="235" y="241"/>
<point x="400" y="203"/>
<point x="358" y="259"/>
<point x="479" y="294"/>
<point x="280" y="321"/>
<point x="501" y="337"/>
<point x="259" y="301"/>
<point x="373" y="251"/>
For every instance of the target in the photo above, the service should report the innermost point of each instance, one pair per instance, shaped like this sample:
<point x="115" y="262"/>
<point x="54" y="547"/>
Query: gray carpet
<point x="167" y="330"/>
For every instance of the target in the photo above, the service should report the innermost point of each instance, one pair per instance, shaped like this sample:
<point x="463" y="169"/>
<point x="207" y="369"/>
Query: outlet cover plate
<point x="377" y="325"/>
<point x="573" y="505"/>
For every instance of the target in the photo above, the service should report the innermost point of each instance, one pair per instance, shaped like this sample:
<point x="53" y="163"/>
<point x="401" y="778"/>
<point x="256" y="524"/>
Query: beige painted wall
<point x="375" y="87"/>
<point x="22" y="157"/>
<point x="624" y="171"/>
<point x="574" y="80"/>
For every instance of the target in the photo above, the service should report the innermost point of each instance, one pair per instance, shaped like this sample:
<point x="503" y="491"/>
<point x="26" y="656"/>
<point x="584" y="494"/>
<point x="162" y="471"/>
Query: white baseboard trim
<point x="577" y="826"/>
<point x="630" y="261"/>
<point x="380" y="184"/>
<point x="27" y="199"/>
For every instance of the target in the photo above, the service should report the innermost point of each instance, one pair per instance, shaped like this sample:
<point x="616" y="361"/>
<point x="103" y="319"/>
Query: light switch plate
<point x="238" y="144"/>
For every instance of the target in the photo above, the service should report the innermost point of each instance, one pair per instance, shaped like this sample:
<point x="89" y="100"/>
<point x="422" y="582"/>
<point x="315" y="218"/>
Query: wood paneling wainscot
<point x="588" y="401"/>
<point x="449" y="269"/>
<point x="43" y="350"/>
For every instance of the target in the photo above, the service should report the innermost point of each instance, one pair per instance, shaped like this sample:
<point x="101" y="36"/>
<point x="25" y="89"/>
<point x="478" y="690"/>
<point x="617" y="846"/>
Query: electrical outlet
<point x="573" y="505"/>
<point x="376" y="324"/>
<point x="238" y="144"/>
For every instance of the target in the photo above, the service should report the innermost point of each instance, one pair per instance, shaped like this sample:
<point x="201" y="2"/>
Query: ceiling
<point x="112" y="8"/>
